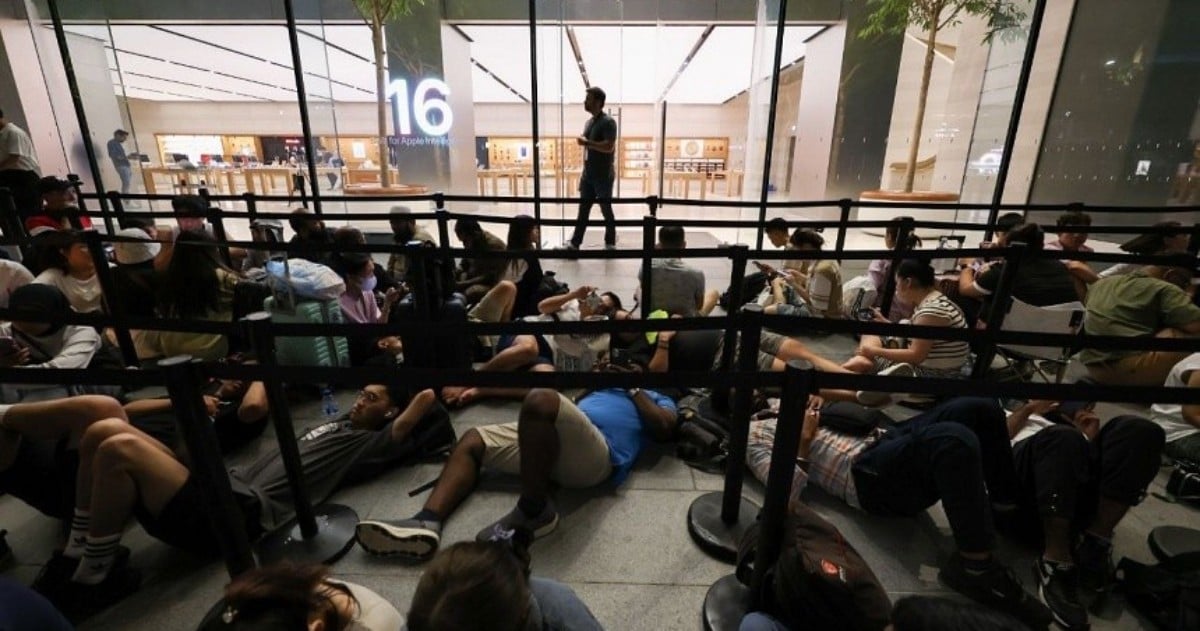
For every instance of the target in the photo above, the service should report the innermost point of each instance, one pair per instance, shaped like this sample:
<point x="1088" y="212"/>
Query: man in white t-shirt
<point x="19" y="170"/>
<point x="1181" y="422"/>
<point x="1076" y="480"/>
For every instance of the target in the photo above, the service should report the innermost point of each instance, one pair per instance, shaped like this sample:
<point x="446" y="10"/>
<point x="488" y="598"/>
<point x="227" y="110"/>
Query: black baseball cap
<point x="52" y="184"/>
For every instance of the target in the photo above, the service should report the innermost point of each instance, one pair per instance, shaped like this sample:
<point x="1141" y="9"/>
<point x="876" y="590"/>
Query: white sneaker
<point x="879" y="399"/>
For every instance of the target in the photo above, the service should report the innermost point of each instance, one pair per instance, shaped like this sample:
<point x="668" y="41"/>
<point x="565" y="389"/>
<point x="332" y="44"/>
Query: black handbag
<point x="846" y="417"/>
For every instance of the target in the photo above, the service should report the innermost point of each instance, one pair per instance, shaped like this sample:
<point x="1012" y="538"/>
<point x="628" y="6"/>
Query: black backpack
<point x="702" y="434"/>
<point x="1167" y="593"/>
<point x="752" y="286"/>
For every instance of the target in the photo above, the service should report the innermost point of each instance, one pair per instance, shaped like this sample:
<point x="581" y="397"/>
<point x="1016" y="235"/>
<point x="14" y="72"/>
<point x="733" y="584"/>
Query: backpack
<point x="702" y="435"/>
<point x="858" y="293"/>
<point x="1167" y="593"/>
<point x="752" y="286"/>
<point x="819" y="580"/>
<point x="847" y="417"/>
<point x="549" y="287"/>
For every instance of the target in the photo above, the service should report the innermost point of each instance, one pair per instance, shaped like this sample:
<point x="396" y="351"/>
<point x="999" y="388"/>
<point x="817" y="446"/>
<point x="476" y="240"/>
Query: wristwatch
<point x="633" y="392"/>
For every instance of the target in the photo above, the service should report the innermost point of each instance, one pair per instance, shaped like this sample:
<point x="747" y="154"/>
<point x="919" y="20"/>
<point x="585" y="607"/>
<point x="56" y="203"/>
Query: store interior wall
<point x="100" y="106"/>
<point x="456" y="72"/>
<point x="26" y="98"/>
<point x="815" y="114"/>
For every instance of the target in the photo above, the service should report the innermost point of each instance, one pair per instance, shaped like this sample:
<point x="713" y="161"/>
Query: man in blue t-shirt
<point x="576" y="445"/>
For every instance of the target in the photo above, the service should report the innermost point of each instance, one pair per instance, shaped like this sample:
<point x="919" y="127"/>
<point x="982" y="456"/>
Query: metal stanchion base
<point x="725" y="604"/>
<point x="711" y="533"/>
<point x="335" y="535"/>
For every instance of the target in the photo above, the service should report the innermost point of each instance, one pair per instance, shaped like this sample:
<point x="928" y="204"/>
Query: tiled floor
<point x="626" y="552"/>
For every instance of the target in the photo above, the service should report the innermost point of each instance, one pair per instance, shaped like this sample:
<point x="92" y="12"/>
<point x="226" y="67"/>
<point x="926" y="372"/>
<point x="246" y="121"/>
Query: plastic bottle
<point x="329" y="405"/>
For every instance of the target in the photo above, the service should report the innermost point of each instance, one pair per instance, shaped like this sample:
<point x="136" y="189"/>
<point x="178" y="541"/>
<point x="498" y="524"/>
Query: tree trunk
<point x="381" y="102"/>
<point x="910" y="170"/>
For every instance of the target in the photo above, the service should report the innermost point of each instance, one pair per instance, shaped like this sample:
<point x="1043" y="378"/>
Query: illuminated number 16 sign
<point x="430" y="111"/>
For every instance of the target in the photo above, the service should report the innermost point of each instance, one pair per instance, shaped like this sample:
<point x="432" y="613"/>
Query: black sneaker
<point x="1093" y="557"/>
<point x="78" y="602"/>
<point x="408" y="538"/>
<point x="1058" y="587"/>
<point x="504" y="528"/>
<point x="998" y="588"/>
<point x="57" y="572"/>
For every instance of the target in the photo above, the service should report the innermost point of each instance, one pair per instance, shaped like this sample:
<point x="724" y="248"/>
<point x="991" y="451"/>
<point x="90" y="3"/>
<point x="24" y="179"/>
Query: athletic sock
<point x="530" y="506"/>
<point x="98" y="560"/>
<point x="1053" y="567"/>
<point x="77" y="540"/>
<point x="429" y="516"/>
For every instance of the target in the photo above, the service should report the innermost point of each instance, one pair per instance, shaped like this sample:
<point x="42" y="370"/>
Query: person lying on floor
<point x="239" y="412"/>
<point x="574" y="444"/>
<point x="957" y="452"/>
<point x="125" y="473"/>
<point x="1076" y="480"/>
<point x="532" y="352"/>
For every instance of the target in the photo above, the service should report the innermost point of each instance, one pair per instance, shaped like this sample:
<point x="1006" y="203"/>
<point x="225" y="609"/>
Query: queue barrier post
<point x="443" y="219"/>
<point x="717" y="521"/>
<point x="739" y="255"/>
<point x="729" y="599"/>
<point x="118" y="209"/>
<point x="844" y="205"/>
<point x="1001" y="299"/>
<point x="218" y="225"/>
<point x="652" y="201"/>
<point x="113" y="303"/>
<point x="251" y="205"/>
<point x="183" y="384"/>
<point x="648" y="224"/>
<point x="316" y="535"/>
<point x="904" y="231"/>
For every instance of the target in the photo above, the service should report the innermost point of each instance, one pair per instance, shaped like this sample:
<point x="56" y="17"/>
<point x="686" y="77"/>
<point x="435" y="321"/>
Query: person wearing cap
<point x="262" y="231"/>
<point x="136" y="283"/>
<point x="1174" y="237"/>
<point x="57" y="207"/>
<point x="120" y="159"/>
<point x="404" y="229"/>
<point x="1076" y="480"/>
<point x="19" y="170"/>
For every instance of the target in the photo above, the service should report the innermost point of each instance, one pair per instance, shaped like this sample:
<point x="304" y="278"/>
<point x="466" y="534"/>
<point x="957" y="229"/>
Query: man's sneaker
<point x="569" y="245"/>
<point x="78" y="602"/>
<point x="408" y="538"/>
<point x="998" y="588"/>
<point x="610" y="246"/>
<point x="1093" y="557"/>
<point x="515" y="520"/>
<point x="880" y="399"/>
<point x="57" y="572"/>
<point x="1058" y="587"/>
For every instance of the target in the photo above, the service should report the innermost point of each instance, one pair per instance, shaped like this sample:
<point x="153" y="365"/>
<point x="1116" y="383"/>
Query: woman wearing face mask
<point x="358" y="301"/>
<point x="68" y="266"/>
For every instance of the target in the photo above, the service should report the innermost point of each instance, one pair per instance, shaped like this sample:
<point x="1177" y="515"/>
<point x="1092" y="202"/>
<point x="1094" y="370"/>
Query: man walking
<point x="595" y="185"/>
<point x="120" y="160"/>
<point x="19" y="170"/>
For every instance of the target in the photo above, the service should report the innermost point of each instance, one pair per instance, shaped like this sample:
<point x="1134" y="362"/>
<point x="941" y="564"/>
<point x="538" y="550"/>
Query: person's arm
<point x="79" y="347"/>
<point x="918" y="349"/>
<point x="1178" y="311"/>
<point x="10" y="162"/>
<point x="1017" y="420"/>
<point x="607" y="142"/>
<point x="554" y="304"/>
<point x="254" y="403"/>
<point x="978" y="285"/>
<point x="1082" y="271"/>
<point x="657" y="417"/>
<point x="661" y="360"/>
<point x="1191" y="411"/>
<point x="416" y="410"/>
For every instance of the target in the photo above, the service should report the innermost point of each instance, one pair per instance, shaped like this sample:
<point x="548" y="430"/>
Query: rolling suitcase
<point x="309" y="351"/>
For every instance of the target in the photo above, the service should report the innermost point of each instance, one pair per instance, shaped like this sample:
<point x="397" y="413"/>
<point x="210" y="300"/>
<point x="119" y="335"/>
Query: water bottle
<point x="329" y="404"/>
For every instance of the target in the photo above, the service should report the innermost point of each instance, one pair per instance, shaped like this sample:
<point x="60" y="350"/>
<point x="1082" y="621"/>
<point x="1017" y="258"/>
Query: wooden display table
<point x="733" y="182"/>
<point x="364" y="190"/>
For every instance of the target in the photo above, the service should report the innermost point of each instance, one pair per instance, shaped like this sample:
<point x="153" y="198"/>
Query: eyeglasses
<point x="368" y="396"/>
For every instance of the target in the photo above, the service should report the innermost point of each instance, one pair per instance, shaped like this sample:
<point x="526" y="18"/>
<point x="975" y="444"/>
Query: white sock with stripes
<point x="77" y="540"/>
<point x="97" y="560"/>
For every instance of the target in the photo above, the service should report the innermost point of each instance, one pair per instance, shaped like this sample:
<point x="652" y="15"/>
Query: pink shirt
<point x="360" y="308"/>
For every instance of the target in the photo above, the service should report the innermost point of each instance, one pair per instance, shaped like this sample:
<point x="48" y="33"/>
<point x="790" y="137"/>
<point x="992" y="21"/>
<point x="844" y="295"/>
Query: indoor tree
<point x="377" y="13"/>
<point x="931" y="17"/>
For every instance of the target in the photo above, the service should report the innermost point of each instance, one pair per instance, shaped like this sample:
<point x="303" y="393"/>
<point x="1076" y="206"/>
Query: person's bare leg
<point x="128" y="469"/>
<point x="89" y="446"/>
<point x="523" y="352"/>
<point x="471" y="395"/>
<point x="711" y="298"/>
<point x="69" y="417"/>
<point x="458" y="477"/>
<point x="794" y="349"/>
<point x="859" y="364"/>
<point x="537" y="436"/>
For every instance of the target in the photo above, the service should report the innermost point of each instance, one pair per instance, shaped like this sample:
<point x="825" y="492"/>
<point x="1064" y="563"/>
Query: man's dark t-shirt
<point x="116" y="152"/>
<point x="332" y="454"/>
<point x="1040" y="282"/>
<point x="601" y="128"/>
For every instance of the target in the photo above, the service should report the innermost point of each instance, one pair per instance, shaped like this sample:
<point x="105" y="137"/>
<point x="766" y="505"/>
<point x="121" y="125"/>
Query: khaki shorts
<point x="769" y="345"/>
<point x="583" y="458"/>
<point x="1143" y="369"/>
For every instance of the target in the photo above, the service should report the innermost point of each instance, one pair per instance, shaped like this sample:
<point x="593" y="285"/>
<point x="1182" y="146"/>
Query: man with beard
<point x="404" y="229"/>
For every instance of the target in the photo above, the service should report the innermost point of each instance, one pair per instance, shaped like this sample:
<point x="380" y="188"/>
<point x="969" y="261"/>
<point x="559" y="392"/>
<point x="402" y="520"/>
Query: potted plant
<point x="895" y="17"/>
<point x="377" y="13"/>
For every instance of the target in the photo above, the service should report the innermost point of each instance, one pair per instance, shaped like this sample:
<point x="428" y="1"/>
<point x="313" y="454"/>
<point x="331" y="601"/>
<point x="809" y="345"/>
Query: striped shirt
<point x="944" y="355"/>
<point x="830" y="460"/>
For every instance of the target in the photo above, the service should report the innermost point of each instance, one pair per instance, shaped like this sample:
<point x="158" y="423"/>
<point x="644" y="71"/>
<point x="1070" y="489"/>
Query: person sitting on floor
<point x="289" y="596"/>
<point x="486" y="586"/>
<point x="309" y="230"/>
<point x="351" y="236"/>
<point x="1072" y="230"/>
<point x="812" y="288"/>
<point x="476" y="275"/>
<point x="196" y="286"/>
<point x="67" y="264"/>
<point x="33" y="341"/>
<point x="137" y="285"/>
<point x="358" y="301"/>
<point x="957" y="452"/>
<point x="58" y="207"/>
<point x="125" y="473"/>
<point x="676" y="287"/>
<point x="1152" y="301"/>
<point x="1149" y="244"/>
<point x="1075" y="482"/>
<point x="879" y="269"/>
<point x="1181" y="422"/>
<point x="1040" y="281"/>
<point x="524" y="235"/>
<point x="404" y="230"/>
<point x="576" y="445"/>
<point x="239" y="413"/>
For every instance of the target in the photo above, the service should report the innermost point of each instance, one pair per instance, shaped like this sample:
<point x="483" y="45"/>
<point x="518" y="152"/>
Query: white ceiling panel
<point x="268" y="43"/>
<point x="486" y="89"/>
<point x="355" y="38"/>
<point x="504" y="50"/>
<point x="649" y="57"/>
<point x="722" y="67"/>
